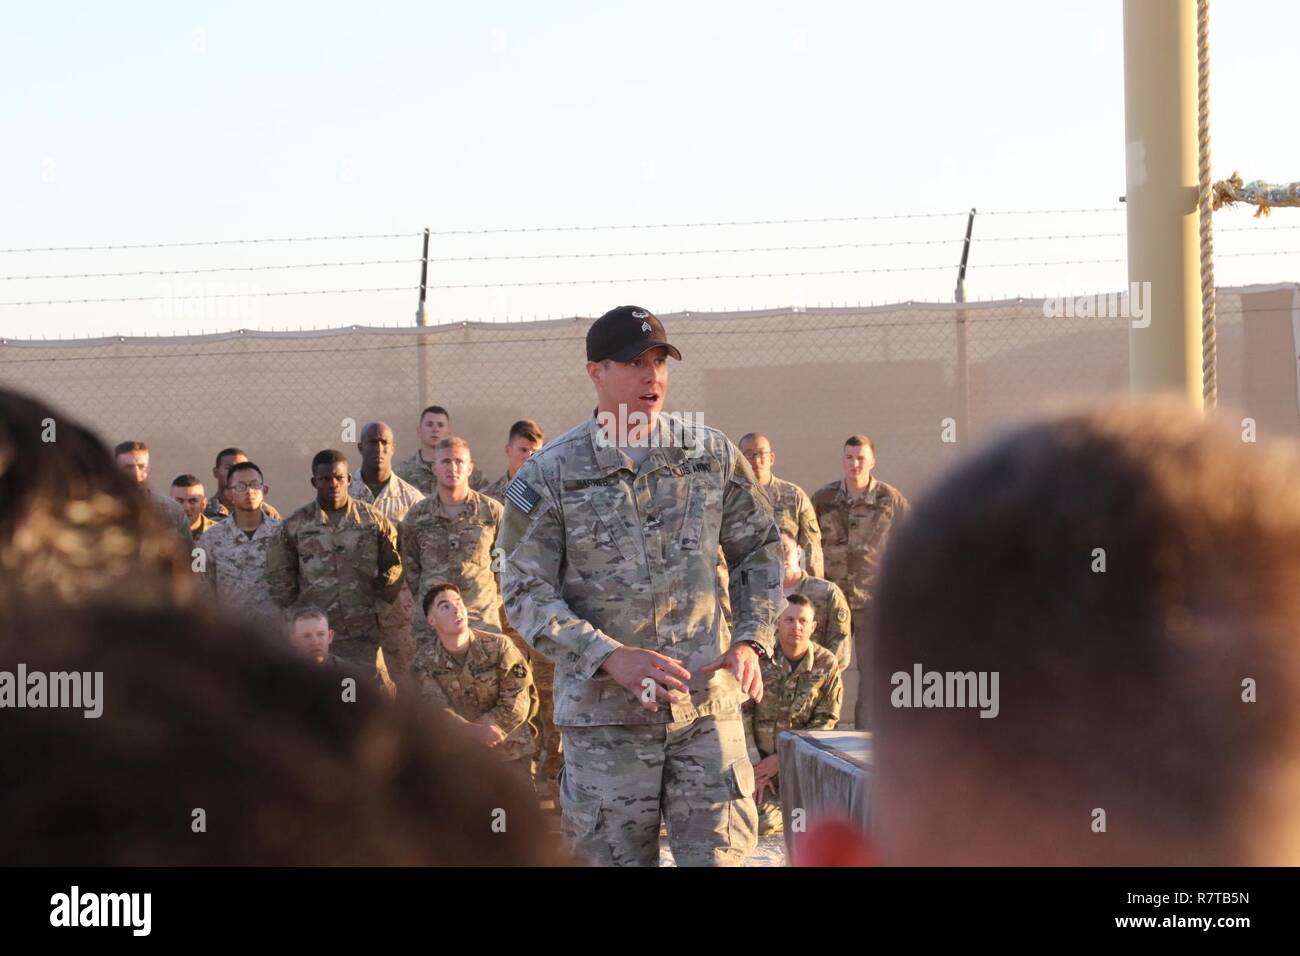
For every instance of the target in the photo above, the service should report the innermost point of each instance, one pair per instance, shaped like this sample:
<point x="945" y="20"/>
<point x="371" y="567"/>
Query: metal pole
<point x="1161" y="199"/>
<point x="422" y="320"/>
<point x="960" y="295"/>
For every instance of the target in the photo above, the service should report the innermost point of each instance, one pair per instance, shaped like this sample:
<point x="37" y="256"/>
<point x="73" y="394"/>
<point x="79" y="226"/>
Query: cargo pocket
<point x="722" y="826"/>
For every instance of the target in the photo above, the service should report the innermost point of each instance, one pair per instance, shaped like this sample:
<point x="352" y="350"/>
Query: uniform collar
<point x="353" y="515"/>
<point x="475" y="654"/>
<point x="804" y="664"/>
<point x="473" y="504"/>
<point x="667" y="448"/>
<point x="868" y="495"/>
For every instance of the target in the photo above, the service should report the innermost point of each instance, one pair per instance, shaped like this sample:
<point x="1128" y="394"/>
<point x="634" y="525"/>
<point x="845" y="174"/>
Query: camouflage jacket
<point x="795" y="516"/>
<point x="436" y="547"/>
<point x="854" y="532"/>
<point x="217" y="511"/>
<point x="204" y="524"/>
<point x="497" y="489"/>
<point x="598" y="555"/>
<point x="235" y="569"/>
<point x="417" y="471"/>
<point x="347" y="569"/>
<point x="800" y="695"/>
<point x="395" y="499"/>
<point x="832" y="616"/>
<point x="493" y="686"/>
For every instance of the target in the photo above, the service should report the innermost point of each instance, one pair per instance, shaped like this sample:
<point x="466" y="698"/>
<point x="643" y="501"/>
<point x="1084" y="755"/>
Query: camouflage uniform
<point x="492" y="686"/>
<point x="831" y="616"/>
<point x="796" y="517"/>
<point x="204" y="524"/>
<point x="352" y="570"/>
<point x="497" y="489"/>
<point x="417" y="471"/>
<point x="395" y="499"/>
<point x="436" y="547"/>
<point x="797" y="695"/>
<point x="235" y="570"/>
<point x="600" y="555"/>
<point x="854" y="533"/>
<point x="217" y="511"/>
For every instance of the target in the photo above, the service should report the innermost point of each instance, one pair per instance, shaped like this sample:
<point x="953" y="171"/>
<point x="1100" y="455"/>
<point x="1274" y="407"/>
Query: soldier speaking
<point x="611" y="539"/>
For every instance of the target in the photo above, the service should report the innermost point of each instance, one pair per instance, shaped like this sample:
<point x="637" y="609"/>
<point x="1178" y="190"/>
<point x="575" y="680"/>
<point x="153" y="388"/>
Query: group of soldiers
<point x="615" y="594"/>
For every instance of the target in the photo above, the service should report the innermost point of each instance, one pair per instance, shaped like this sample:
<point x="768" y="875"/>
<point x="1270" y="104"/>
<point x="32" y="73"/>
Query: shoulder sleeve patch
<point x="518" y="671"/>
<point x="522" y="495"/>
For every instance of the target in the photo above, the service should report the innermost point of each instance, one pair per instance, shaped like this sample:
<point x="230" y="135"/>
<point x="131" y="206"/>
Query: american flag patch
<point x="521" y="494"/>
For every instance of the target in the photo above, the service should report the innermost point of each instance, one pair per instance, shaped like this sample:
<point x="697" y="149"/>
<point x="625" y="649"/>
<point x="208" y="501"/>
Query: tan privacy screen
<point x="909" y="375"/>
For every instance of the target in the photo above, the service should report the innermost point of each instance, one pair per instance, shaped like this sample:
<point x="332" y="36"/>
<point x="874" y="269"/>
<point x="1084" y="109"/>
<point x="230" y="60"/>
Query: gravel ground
<point x="769" y="852"/>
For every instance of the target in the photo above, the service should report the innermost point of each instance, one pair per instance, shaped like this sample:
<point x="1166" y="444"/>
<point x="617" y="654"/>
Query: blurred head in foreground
<point x="72" y="525"/>
<point x="1133" y="577"/>
<point x="214" y="747"/>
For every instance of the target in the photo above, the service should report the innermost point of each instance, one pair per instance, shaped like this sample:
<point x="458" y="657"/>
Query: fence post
<point x="962" y="378"/>
<point x="422" y="320"/>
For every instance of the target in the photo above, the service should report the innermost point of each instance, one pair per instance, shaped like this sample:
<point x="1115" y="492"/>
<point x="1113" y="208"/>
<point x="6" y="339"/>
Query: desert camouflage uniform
<point x="436" y="547"/>
<point x="854" y="533"/>
<point x="235" y="570"/>
<point x="493" y="686"/>
<point x="417" y="471"/>
<point x="395" y="499"/>
<point x="796" y="517"/>
<point x="352" y="570"/>
<point x="601" y="555"/>
<point x="217" y="511"/>
<point x="797" y="695"/>
<point x="831" y="627"/>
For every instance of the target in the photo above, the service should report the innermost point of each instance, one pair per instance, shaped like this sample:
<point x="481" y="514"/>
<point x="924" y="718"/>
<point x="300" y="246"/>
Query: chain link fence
<point x="926" y="381"/>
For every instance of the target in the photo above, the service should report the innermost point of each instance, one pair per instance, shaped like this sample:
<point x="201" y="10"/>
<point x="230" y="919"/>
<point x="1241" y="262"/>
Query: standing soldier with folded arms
<point x="339" y="554"/>
<point x="610" y="568"/>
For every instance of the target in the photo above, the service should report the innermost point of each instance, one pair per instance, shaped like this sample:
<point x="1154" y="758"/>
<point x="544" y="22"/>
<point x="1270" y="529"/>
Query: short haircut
<point x="526" y="428"/>
<point x="798" y="600"/>
<point x="752" y="436"/>
<point x="186" y="481"/>
<point x="427" y="601"/>
<point x="455" y="441"/>
<point x="1135" y="564"/>
<point x="126" y="447"/>
<point x="228" y="453"/>
<point x="289" y="769"/>
<point x="858" y="441"/>
<point x="244" y="466"/>
<point x="437" y="410"/>
<point x="329" y="457"/>
<point x="309" y="611"/>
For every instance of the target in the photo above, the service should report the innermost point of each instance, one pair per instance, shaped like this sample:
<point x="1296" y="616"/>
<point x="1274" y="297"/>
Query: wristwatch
<point x="758" y="648"/>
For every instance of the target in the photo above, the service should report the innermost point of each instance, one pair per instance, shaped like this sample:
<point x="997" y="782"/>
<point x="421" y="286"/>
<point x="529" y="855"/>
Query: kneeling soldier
<point x="477" y="677"/>
<point x="802" y="690"/>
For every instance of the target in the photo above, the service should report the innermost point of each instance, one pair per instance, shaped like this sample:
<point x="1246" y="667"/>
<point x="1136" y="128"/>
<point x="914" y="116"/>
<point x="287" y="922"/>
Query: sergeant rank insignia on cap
<point x="521" y="494"/>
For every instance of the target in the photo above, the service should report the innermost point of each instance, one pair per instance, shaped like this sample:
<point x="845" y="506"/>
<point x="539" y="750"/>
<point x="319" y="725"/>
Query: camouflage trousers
<point x="862" y="655"/>
<point x="549" y="748"/>
<point x="618" y="781"/>
<point x="769" y="811"/>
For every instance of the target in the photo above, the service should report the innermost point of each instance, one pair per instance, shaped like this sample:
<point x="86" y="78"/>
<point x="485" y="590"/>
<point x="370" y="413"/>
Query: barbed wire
<point x="215" y="295"/>
<point x="945" y="309"/>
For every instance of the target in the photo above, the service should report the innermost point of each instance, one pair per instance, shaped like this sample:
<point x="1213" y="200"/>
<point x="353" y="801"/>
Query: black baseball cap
<point x="624" y="333"/>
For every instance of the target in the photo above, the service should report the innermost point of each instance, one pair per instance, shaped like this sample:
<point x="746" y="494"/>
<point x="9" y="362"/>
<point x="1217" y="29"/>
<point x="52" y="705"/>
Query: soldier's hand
<point x="637" y="671"/>
<point x="742" y="661"/>
<point x="492" y="734"/>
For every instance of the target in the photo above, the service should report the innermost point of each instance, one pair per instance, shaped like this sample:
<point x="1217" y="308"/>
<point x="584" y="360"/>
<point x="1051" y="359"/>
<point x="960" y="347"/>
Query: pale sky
<point x="153" y="122"/>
